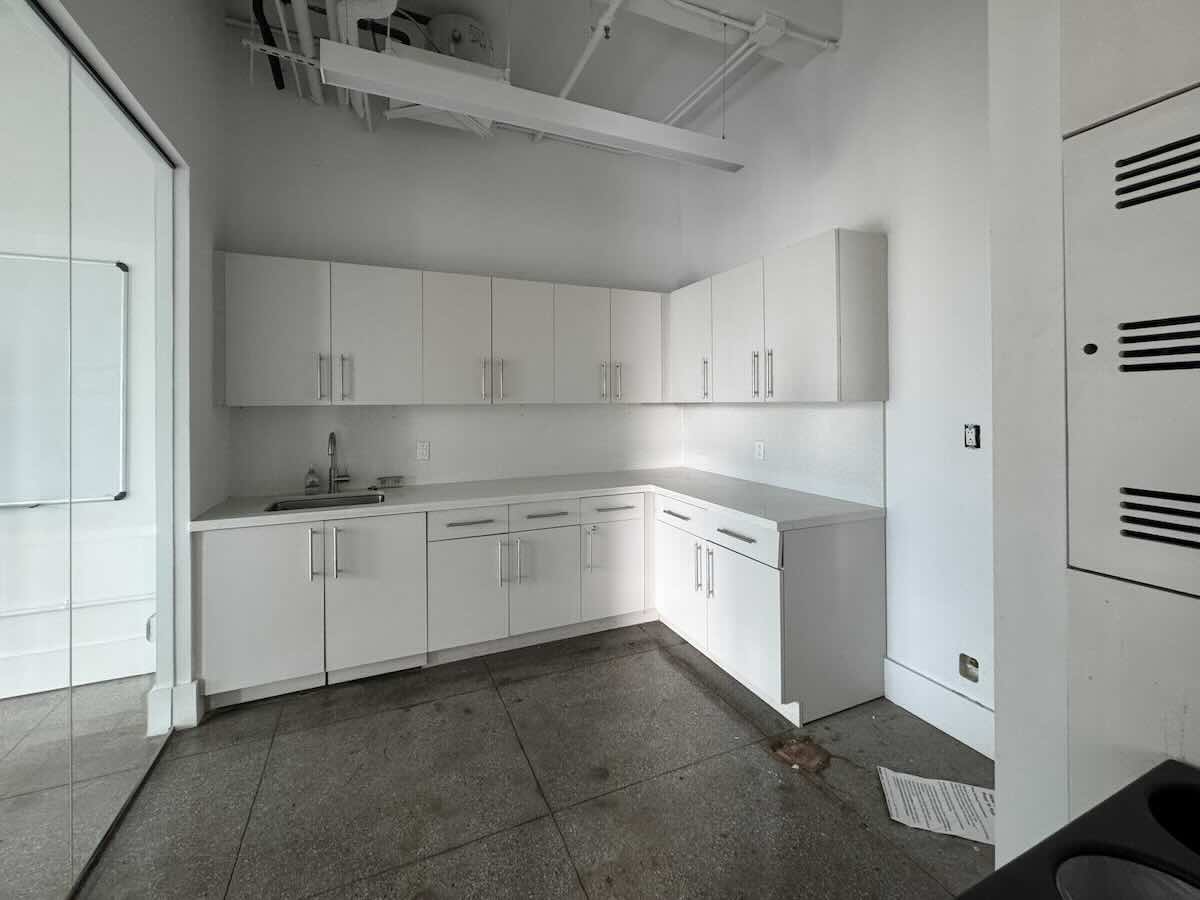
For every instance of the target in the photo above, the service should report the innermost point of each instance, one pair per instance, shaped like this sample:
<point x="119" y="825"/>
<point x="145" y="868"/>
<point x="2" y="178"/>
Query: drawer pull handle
<point x="615" y="508"/>
<point x="671" y="512"/>
<point x="548" y="515"/>
<point x="470" y="522"/>
<point x="740" y="537"/>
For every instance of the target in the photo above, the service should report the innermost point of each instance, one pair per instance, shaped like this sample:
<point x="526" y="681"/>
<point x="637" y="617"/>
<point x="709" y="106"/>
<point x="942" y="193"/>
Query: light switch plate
<point x="760" y="450"/>
<point x="422" y="451"/>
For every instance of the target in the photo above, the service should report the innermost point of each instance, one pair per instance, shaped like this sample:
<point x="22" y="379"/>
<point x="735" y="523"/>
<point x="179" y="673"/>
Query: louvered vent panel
<point x="1161" y="516"/>
<point x="1163" y="171"/>
<point x="1160" y="345"/>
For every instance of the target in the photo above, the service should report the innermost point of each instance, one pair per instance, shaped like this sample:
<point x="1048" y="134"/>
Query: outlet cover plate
<point x="422" y="451"/>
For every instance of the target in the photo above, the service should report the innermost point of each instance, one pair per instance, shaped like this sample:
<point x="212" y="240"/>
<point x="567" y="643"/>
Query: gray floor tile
<point x="225" y="728"/>
<point x="765" y="719"/>
<point x="35" y="846"/>
<point x="604" y="726"/>
<point x="661" y="633"/>
<point x="122" y="699"/>
<point x="180" y="836"/>
<point x="359" y="796"/>
<point x="559" y="656"/>
<point x="95" y="806"/>
<point x="371" y="695"/>
<point x="882" y="734"/>
<point x="528" y="861"/>
<point x="20" y="715"/>
<point x="738" y="825"/>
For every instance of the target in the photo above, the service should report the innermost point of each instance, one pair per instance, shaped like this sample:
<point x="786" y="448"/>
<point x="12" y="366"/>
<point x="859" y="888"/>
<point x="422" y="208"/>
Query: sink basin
<point x="326" y="501"/>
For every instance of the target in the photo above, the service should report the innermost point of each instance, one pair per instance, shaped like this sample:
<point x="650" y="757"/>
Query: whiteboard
<point x="63" y="349"/>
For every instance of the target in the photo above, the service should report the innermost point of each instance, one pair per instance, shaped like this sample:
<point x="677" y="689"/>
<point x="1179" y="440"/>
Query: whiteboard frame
<point x="122" y="459"/>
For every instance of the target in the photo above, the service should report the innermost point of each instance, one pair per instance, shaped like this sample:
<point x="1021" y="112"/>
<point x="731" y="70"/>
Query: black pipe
<point x="268" y="38"/>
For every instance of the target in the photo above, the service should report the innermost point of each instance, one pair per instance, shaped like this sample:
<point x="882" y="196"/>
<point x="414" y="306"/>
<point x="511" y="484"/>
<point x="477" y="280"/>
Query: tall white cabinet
<point x="456" y="346"/>
<point x="737" y="334"/>
<point x="522" y="341"/>
<point x="636" y="357"/>
<point x="376" y="335"/>
<point x="689" y="343"/>
<point x="581" y="344"/>
<point x="277" y="325"/>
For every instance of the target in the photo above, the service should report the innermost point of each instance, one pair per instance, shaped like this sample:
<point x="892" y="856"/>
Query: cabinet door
<point x="636" y="371"/>
<point x="801" y="319"/>
<point x="522" y="341"/>
<point x="614" y="557"/>
<point x="581" y="345"/>
<point x="679" y="582"/>
<point x="276" y="331"/>
<point x="456" y="340"/>
<point x="468" y="591"/>
<point x="376" y="334"/>
<point x="744" y="620"/>
<point x="543" y="590"/>
<point x="689" y="343"/>
<point x="261" y="605"/>
<point x="374" y="590"/>
<point x="737" y="334"/>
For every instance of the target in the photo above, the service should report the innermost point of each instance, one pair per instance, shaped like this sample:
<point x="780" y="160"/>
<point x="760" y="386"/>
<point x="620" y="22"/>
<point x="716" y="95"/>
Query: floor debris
<point x="946" y="807"/>
<point x="803" y="753"/>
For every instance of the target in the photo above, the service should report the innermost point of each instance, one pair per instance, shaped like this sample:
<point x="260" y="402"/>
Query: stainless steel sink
<point x="326" y="501"/>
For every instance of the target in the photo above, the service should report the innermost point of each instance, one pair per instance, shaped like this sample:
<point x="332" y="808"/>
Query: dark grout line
<point x="73" y="784"/>
<point x="249" y="815"/>
<point x="583" y="665"/>
<point x="33" y="728"/>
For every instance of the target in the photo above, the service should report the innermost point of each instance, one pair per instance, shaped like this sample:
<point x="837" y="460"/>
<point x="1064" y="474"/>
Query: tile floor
<point x="620" y="764"/>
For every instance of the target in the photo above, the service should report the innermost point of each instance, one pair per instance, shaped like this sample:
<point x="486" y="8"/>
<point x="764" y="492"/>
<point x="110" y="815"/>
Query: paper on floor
<point x="947" y="807"/>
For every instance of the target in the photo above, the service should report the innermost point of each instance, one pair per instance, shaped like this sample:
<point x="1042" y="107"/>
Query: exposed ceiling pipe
<point x="746" y="50"/>
<point x="822" y="41"/>
<point x="600" y="31"/>
<point x="309" y="48"/>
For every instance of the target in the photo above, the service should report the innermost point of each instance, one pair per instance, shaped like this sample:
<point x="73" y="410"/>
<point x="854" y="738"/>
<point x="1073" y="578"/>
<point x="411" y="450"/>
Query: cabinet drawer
<point x="612" y="508"/>
<point x="683" y="515"/>
<point x="547" y="514"/>
<point x="445" y="524"/>
<point x="750" y="537"/>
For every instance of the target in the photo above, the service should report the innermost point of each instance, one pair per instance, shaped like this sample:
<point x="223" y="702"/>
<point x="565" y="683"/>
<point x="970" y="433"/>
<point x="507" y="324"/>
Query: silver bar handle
<point x="709" y="592"/>
<point x="590" y="532"/>
<point x="502" y="378"/>
<point x="770" y="373"/>
<point x="699" y="574"/>
<point x="603" y="381"/>
<point x="706" y="378"/>
<point x="754" y="374"/>
<point x="615" y="508"/>
<point x="734" y="534"/>
<point x="337" y="567"/>
<point x="342" y="362"/>
<point x="470" y="522"/>
<point x="320" y="376"/>
<point x="483" y="378"/>
<point x="500" y="562"/>
<point x="548" y="515"/>
<point x="312" y="532"/>
<point x="671" y="512"/>
<point x="518" y="560"/>
<point x="619" y="392"/>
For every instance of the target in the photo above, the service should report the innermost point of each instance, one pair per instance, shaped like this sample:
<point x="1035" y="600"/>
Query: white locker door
<point x="744" y="620"/>
<point x="614" y="568"/>
<point x="689" y="343"/>
<point x="261" y="605"/>
<point x="276" y="331"/>
<point x="522" y="341"/>
<point x="1132" y="213"/>
<point x="543" y="590"/>
<point x="737" y="334"/>
<point x="636" y="369"/>
<point x="456" y="342"/>
<point x="679" y="583"/>
<point x="376" y="335"/>
<point x="581" y="344"/>
<point x="801" y="322"/>
<point x="374" y="590"/>
<point x="468" y="591"/>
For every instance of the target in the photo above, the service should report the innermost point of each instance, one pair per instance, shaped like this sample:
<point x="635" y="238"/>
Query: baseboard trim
<point x="959" y="716"/>
<point x="453" y="654"/>
<point x="186" y="707"/>
<point x="370" y="670"/>
<point x="158" y="709"/>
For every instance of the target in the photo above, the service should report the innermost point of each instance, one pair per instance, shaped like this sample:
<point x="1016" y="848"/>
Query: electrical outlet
<point x="760" y="450"/>
<point x="972" y="437"/>
<point x="422" y="451"/>
<point x="968" y="667"/>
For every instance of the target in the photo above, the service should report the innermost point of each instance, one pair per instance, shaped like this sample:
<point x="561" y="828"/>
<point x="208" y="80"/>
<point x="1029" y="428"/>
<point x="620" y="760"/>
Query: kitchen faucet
<point x="335" y="477"/>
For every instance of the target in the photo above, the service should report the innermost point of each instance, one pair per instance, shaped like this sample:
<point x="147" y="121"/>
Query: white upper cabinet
<point x="635" y="370"/>
<point x="276" y="331"/>
<point x="689" y="340"/>
<point x="581" y="344"/>
<point x="825" y="304"/>
<point x="456" y="345"/>
<point x="376" y="334"/>
<point x="737" y="334"/>
<point x="522" y="341"/>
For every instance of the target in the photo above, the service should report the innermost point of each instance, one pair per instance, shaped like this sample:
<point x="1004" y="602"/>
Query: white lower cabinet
<point x="679" y="583"/>
<point x="261" y="597"/>
<point x="614" y="557"/>
<point x="374" y="590"/>
<point x="468" y="591"/>
<point x="744" y="620"/>
<point x="543" y="582"/>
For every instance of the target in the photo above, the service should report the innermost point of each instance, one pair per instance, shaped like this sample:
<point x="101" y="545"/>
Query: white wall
<point x="888" y="133"/>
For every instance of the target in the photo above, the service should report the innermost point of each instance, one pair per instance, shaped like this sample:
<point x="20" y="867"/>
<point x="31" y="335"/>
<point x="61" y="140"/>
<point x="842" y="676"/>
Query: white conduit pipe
<point x="826" y="43"/>
<point x="309" y="48"/>
<point x="599" y="30"/>
<point x="745" y="50"/>
<point x="331" y="21"/>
